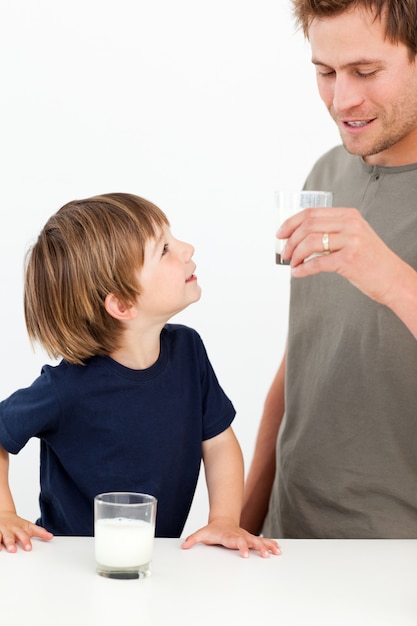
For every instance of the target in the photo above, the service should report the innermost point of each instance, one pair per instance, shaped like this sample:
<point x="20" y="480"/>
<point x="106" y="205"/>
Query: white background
<point x="203" y="107"/>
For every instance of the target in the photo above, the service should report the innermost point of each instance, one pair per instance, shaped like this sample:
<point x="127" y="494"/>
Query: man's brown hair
<point x="399" y="16"/>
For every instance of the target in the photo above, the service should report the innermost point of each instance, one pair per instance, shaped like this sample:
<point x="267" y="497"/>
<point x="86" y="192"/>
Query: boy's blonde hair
<point x="88" y="249"/>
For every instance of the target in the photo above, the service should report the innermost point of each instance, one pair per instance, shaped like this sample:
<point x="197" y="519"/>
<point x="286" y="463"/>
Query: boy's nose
<point x="188" y="250"/>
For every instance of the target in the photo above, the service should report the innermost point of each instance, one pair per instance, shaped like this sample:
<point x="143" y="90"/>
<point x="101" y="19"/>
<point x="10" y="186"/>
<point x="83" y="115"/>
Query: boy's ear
<point x="119" y="309"/>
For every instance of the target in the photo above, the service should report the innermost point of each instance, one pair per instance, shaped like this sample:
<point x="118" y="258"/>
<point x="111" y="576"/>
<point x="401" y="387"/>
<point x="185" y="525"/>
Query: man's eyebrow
<point x="355" y="63"/>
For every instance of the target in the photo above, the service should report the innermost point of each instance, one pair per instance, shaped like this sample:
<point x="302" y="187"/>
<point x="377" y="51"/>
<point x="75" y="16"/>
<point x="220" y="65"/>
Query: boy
<point x="134" y="404"/>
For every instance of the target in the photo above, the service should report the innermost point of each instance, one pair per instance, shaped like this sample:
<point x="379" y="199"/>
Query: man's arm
<point x="402" y="300"/>
<point x="262" y="471"/>
<point x="357" y="253"/>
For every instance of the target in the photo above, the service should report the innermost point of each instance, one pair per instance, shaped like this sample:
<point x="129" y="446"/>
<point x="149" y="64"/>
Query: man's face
<point x="369" y="86"/>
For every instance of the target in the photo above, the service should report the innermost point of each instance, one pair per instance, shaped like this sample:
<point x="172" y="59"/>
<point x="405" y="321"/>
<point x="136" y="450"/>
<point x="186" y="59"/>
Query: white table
<point x="323" y="582"/>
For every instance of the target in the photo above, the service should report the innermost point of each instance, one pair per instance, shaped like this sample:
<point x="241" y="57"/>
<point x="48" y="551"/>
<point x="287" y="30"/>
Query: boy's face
<point x="167" y="279"/>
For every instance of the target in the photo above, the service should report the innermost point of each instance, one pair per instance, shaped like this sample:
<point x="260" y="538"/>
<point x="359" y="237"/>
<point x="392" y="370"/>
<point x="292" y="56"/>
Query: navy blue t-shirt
<point x="104" y="427"/>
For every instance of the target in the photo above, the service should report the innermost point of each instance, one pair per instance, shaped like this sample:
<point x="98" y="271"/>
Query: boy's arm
<point x="223" y="465"/>
<point x="14" y="529"/>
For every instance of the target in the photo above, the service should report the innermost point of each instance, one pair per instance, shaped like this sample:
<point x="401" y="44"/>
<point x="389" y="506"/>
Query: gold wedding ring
<point x="325" y="242"/>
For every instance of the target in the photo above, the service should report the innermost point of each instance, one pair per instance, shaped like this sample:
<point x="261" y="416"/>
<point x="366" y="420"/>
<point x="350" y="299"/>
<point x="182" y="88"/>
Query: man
<point x="336" y="456"/>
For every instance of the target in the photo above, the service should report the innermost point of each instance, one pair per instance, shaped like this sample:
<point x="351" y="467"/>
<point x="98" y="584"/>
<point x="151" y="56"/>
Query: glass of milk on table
<point x="124" y="530"/>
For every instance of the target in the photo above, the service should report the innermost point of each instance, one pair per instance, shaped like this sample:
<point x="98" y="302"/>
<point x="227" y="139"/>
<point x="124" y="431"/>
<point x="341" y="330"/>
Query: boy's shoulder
<point x="179" y="334"/>
<point x="182" y="339"/>
<point x="181" y="329"/>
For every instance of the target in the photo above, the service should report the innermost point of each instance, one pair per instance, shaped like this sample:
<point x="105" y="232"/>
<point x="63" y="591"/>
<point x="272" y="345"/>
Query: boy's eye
<point x="165" y="250"/>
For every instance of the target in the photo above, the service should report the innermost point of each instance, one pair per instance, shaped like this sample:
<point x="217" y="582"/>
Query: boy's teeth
<point x="357" y="123"/>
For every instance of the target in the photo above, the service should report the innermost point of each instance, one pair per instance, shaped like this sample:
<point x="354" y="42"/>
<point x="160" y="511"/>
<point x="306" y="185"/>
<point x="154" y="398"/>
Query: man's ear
<point x="119" y="309"/>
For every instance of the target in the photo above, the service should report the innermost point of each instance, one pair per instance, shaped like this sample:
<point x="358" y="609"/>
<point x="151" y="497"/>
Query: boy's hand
<point x="226" y="533"/>
<point x="15" y="530"/>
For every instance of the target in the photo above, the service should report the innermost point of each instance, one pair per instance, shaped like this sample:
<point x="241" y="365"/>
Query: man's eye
<point x="365" y="74"/>
<point x="165" y="250"/>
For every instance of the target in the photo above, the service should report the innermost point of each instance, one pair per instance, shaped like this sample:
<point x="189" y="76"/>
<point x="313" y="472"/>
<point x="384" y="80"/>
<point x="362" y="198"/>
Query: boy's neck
<point x="138" y="352"/>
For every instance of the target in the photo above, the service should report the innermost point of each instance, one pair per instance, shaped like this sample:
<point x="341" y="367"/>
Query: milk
<point x="123" y="543"/>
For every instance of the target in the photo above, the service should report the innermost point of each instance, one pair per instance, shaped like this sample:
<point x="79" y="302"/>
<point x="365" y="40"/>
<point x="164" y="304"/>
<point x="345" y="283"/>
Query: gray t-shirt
<point x="347" y="448"/>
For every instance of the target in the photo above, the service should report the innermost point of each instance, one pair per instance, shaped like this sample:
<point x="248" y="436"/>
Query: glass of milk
<point x="124" y="530"/>
<point x="291" y="202"/>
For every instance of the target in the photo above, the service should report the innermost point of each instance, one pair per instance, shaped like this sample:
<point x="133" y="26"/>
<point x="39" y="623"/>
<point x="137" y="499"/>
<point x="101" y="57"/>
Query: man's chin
<point x="357" y="150"/>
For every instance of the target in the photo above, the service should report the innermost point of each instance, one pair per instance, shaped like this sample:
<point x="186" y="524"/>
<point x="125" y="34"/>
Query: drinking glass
<point x="291" y="202"/>
<point x="124" y="530"/>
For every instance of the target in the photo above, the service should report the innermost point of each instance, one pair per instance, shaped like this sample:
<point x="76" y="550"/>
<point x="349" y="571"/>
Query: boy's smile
<point x="167" y="279"/>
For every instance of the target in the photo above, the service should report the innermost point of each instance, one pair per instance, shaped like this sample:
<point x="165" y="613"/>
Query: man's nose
<point x="347" y="94"/>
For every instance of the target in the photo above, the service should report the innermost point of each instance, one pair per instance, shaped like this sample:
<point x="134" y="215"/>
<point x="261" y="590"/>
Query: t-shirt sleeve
<point x="28" y="413"/>
<point x="218" y="410"/>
